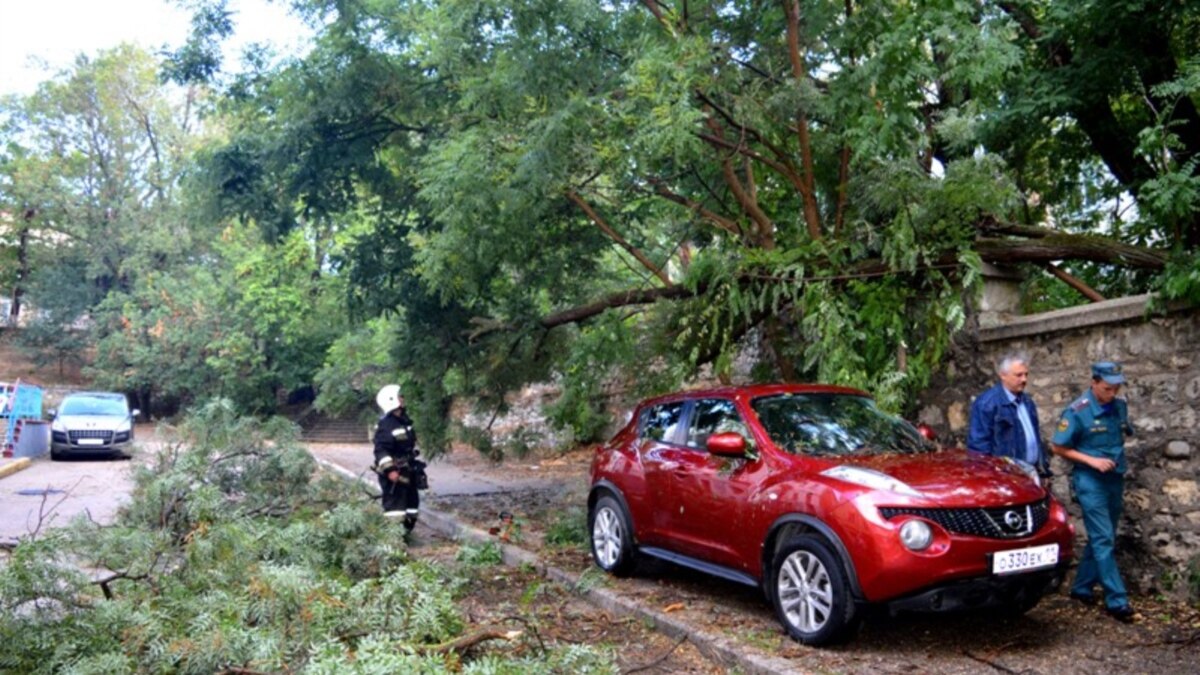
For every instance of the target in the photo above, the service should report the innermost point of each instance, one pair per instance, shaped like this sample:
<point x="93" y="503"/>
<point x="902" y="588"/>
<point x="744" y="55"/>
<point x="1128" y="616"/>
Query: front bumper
<point x="981" y="592"/>
<point x="62" y="444"/>
<point x="886" y="570"/>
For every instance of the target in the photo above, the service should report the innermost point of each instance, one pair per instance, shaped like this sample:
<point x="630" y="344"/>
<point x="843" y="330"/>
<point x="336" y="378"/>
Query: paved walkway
<point x="445" y="479"/>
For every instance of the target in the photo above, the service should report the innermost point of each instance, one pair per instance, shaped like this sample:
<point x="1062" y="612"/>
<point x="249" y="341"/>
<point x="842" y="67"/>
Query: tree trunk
<point x="1061" y="246"/>
<point x="14" y="313"/>
<point x="1044" y="246"/>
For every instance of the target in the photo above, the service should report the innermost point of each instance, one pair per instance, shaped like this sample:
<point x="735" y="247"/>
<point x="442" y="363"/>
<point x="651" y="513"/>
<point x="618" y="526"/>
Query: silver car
<point x="91" y="423"/>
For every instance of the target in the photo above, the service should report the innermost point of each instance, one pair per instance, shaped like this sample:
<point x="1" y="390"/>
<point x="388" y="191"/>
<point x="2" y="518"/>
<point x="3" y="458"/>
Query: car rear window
<point x="661" y="422"/>
<point x="834" y="424"/>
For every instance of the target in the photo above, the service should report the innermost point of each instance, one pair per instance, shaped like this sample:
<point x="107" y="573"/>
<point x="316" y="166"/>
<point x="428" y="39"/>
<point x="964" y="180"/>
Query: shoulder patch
<point x="1080" y="404"/>
<point x="1064" y="424"/>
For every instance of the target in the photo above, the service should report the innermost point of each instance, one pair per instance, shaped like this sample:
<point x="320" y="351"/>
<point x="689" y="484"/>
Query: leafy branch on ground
<point x="235" y="555"/>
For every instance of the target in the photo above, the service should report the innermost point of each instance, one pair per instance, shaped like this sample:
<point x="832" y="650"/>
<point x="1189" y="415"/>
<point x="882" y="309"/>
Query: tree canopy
<point x="555" y="188"/>
<point x="643" y="190"/>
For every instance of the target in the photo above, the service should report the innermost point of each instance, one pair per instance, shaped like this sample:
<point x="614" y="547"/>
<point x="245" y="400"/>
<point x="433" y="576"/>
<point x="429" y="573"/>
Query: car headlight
<point x="124" y="426"/>
<point x="1029" y="470"/>
<point x="916" y="535"/>
<point x="58" y="425"/>
<point x="869" y="478"/>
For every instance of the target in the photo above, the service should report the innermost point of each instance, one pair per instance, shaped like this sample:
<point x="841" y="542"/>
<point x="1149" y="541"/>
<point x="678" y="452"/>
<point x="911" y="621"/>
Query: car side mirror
<point x="52" y="413"/>
<point x="728" y="444"/>
<point x="134" y="413"/>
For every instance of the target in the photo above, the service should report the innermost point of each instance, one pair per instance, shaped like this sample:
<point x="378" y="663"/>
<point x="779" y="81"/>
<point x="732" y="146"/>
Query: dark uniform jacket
<point x="395" y="442"/>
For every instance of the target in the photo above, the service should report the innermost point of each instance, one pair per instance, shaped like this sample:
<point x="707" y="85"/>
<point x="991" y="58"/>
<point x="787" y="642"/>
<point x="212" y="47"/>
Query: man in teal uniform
<point x="1091" y="434"/>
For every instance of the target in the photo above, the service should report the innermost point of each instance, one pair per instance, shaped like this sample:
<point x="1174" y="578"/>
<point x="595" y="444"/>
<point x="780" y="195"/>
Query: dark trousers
<point x="400" y="500"/>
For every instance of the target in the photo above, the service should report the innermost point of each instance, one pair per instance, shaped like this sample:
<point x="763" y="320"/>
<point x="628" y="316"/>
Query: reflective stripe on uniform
<point x="385" y="463"/>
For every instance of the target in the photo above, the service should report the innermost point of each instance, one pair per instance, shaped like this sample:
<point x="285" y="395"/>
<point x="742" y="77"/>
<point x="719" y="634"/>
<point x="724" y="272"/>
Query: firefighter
<point x="400" y="473"/>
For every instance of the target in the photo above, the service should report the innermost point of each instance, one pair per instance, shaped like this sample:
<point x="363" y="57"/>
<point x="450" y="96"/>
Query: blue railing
<point x="18" y="402"/>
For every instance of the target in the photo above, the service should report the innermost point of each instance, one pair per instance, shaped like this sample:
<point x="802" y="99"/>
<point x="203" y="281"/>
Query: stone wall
<point x="1159" y="537"/>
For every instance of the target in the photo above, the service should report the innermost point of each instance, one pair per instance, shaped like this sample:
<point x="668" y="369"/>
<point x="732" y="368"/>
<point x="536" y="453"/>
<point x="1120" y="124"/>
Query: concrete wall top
<point x="1095" y="314"/>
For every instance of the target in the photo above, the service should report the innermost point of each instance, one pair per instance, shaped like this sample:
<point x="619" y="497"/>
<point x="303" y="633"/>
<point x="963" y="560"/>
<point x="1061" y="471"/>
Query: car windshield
<point x="834" y="424"/>
<point x="89" y="405"/>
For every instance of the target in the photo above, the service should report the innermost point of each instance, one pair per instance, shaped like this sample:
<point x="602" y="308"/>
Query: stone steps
<point x="317" y="427"/>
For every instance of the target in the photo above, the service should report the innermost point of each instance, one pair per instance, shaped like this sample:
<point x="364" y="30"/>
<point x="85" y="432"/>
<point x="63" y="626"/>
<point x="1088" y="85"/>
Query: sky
<point x="55" y="31"/>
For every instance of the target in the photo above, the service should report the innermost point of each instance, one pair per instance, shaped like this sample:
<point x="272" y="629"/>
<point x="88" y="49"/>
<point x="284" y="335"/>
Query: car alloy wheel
<point x="810" y="592"/>
<point x="804" y="594"/>
<point x="612" y="540"/>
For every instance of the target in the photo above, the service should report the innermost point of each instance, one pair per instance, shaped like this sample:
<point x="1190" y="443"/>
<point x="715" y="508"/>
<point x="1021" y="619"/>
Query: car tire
<point x="811" y="594"/>
<point x="612" y="537"/>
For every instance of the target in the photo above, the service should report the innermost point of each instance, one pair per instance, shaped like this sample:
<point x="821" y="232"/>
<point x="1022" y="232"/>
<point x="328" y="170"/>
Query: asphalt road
<point x="51" y="494"/>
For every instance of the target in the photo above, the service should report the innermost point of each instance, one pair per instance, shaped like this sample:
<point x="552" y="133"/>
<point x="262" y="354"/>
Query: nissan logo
<point x="1013" y="520"/>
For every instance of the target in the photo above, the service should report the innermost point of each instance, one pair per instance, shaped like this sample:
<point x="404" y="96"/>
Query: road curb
<point x="9" y="468"/>
<point x="716" y="647"/>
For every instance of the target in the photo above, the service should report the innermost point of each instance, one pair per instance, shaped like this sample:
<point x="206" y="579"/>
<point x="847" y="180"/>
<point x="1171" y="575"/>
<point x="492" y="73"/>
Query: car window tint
<point x="661" y="422"/>
<point x="93" y="406"/>
<point x="834" y="424"/>
<point x="714" y="416"/>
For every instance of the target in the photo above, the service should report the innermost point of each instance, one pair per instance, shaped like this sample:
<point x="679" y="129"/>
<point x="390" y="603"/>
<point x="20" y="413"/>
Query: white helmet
<point x="388" y="398"/>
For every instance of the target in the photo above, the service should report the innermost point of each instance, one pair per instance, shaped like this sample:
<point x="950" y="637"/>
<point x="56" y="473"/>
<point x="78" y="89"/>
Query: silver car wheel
<point x="805" y="592"/>
<point x="606" y="537"/>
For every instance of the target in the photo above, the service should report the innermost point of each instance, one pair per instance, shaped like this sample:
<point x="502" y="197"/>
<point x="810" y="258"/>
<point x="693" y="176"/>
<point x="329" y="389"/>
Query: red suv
<point x="826" y="503"/>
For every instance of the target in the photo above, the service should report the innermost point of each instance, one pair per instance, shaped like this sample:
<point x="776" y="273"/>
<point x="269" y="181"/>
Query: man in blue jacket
<point x="1004" y="419"/>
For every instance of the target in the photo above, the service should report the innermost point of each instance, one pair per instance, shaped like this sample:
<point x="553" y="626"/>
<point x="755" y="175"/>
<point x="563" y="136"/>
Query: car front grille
<point x="76" y="435"/>
<point x="1003" y="522"/>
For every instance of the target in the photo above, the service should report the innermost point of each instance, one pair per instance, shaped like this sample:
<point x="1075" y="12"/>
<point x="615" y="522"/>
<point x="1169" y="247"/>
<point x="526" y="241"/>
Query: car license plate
<point x="91" y="441"/>
<point x="1022" y="559"/>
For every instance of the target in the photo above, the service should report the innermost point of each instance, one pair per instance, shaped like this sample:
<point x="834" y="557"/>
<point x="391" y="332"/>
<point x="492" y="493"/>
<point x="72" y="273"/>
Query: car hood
<point x="98" y="422"/>
<point x="955" y="477"/>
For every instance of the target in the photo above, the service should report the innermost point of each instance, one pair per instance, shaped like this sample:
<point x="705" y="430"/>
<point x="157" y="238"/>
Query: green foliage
<point x="228" y="556"/>
<point x="1041" y="292"/>
<point x="356" y="366"/>
<point x="487" y="553"/>
<point x="54" y="333"/>
<point x="568" y="529"/>
<point x="253" y="320"/>
<point x="592" y="577"/>
<point x="1193" y="579"/>
<point x="199" y="60"/>
<point x="93" y="160"/>
<point x="585" y="370"/>
<point x="1181" y="281"/>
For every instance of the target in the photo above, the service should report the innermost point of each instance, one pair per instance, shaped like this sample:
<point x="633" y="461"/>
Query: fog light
<point x="916" y="535"/>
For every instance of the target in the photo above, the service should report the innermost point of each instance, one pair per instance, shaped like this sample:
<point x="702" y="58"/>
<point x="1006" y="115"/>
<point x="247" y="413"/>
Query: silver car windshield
<point x="94" y="406"/>
<point x="835" y="424"/>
